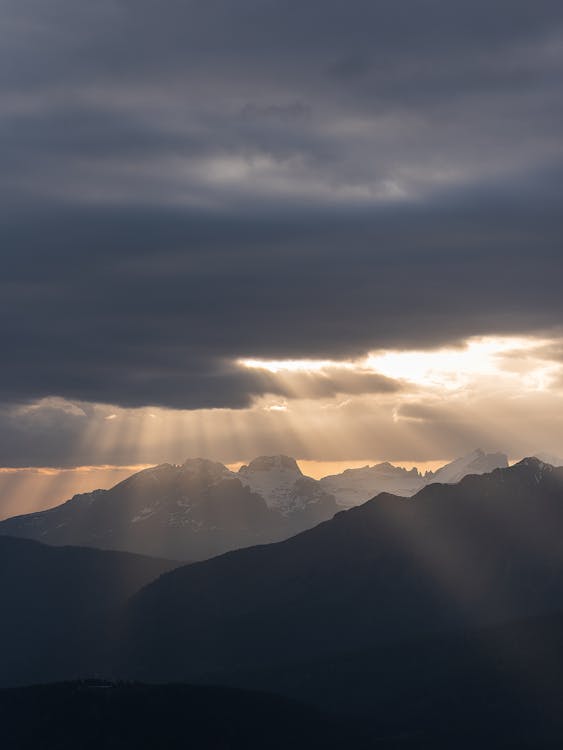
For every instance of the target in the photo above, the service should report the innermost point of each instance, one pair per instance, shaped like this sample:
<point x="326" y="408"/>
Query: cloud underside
<point x="139" y="309"/>
<point x="191" y="186"/>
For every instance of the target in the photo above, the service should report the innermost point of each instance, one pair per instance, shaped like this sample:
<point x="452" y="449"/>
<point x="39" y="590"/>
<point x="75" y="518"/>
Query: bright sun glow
<point x="452" y="367"/>
<point x="449" y="368"/>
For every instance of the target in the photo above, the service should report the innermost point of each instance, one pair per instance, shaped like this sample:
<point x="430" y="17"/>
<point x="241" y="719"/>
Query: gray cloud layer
<point x="188" y="183"/>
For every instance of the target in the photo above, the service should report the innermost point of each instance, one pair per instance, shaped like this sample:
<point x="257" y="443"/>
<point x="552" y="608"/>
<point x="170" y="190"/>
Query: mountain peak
<point x="535" y="460"/>
<point x="534" y="463"/>
<point x="476" y="462"/>
<point x="282" y="484"/>
<point x="203" y="466"/>
<point x="270" y="463"/>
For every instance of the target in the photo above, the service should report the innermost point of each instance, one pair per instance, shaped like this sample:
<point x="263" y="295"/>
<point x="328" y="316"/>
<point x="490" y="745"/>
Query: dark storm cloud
<point x="188" y="183"/>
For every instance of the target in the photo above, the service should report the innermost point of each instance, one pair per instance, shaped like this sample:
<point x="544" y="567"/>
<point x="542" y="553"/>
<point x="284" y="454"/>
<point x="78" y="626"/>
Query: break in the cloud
<point x="193" y="184"/>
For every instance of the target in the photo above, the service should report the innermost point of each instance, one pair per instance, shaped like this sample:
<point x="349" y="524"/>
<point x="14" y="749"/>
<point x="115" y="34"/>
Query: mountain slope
<point x="480" y="552"/>
<point x="191" y="512"/>
<point x="58" y="605"/>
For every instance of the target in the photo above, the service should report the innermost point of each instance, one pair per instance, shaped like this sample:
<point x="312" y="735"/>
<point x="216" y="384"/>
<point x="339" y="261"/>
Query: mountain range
<point x="200" y="508"/>
<point x="430" y="621"/>
<point x="355" y="486"/>
<point x="484" y="551"/>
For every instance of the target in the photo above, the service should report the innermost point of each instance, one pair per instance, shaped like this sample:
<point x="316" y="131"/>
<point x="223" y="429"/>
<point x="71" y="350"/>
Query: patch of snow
<point x="274" y="478"/>
<point x="144" y="513"/>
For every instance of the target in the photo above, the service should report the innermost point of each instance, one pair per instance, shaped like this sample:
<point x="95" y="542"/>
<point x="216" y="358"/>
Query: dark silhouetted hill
<point x="494" y="687"/>
<point x="58" y="607"/>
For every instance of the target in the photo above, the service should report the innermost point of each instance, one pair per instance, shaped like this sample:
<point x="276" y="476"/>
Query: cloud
<point x="188" y="186"/>
<point x="153" y="307"/>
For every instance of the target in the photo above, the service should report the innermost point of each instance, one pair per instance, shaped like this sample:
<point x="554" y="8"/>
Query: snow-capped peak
<point x="280" y="481"/>
<point x="355" y="486"/>
<point x="476" y="462"/>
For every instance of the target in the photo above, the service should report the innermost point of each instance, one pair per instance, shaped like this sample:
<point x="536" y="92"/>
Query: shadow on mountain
<point x="499" y="687"/>
<point x="453" y="558"/>
<point x="59" y="607"/>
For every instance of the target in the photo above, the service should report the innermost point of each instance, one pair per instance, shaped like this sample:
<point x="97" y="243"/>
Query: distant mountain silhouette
<point x="58" y="607"/>
<point x="484" y="551"/>
<point x="190" y="512"/>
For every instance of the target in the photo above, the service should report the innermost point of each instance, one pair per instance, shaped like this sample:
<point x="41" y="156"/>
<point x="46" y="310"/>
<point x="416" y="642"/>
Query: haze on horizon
<point x="327" y="230"/>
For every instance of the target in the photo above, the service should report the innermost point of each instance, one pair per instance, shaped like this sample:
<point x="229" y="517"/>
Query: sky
<point x="329" y="229"/>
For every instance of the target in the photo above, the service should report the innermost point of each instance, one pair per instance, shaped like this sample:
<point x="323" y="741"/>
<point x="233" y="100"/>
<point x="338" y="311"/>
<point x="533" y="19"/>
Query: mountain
<point x="191" y="511"/>
<point x="484" y="551"/>
<point x="59" y="605"/>
<point x="280" y="481"/>
<point x="549" y="458"/>
<point x="200" y="509"/>
<point x="355" y="486"/>
<point x="488" y="688"/>
<point x="477" y="462"/>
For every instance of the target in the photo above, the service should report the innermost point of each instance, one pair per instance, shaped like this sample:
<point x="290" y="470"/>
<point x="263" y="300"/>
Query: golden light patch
<point x="447" y="368"/>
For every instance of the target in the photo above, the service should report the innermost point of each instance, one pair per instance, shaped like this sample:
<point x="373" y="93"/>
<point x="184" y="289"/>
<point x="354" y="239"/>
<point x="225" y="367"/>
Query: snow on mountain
<point x="477" y="462"/>
<point x="204" y="470"/>
<point x="282" y="484"/>
<point x="355" y="486"/>
<point x="274" y="478"/>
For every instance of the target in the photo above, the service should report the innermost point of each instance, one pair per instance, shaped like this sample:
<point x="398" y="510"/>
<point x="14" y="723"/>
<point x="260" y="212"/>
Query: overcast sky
<point x="189" y="184"/>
